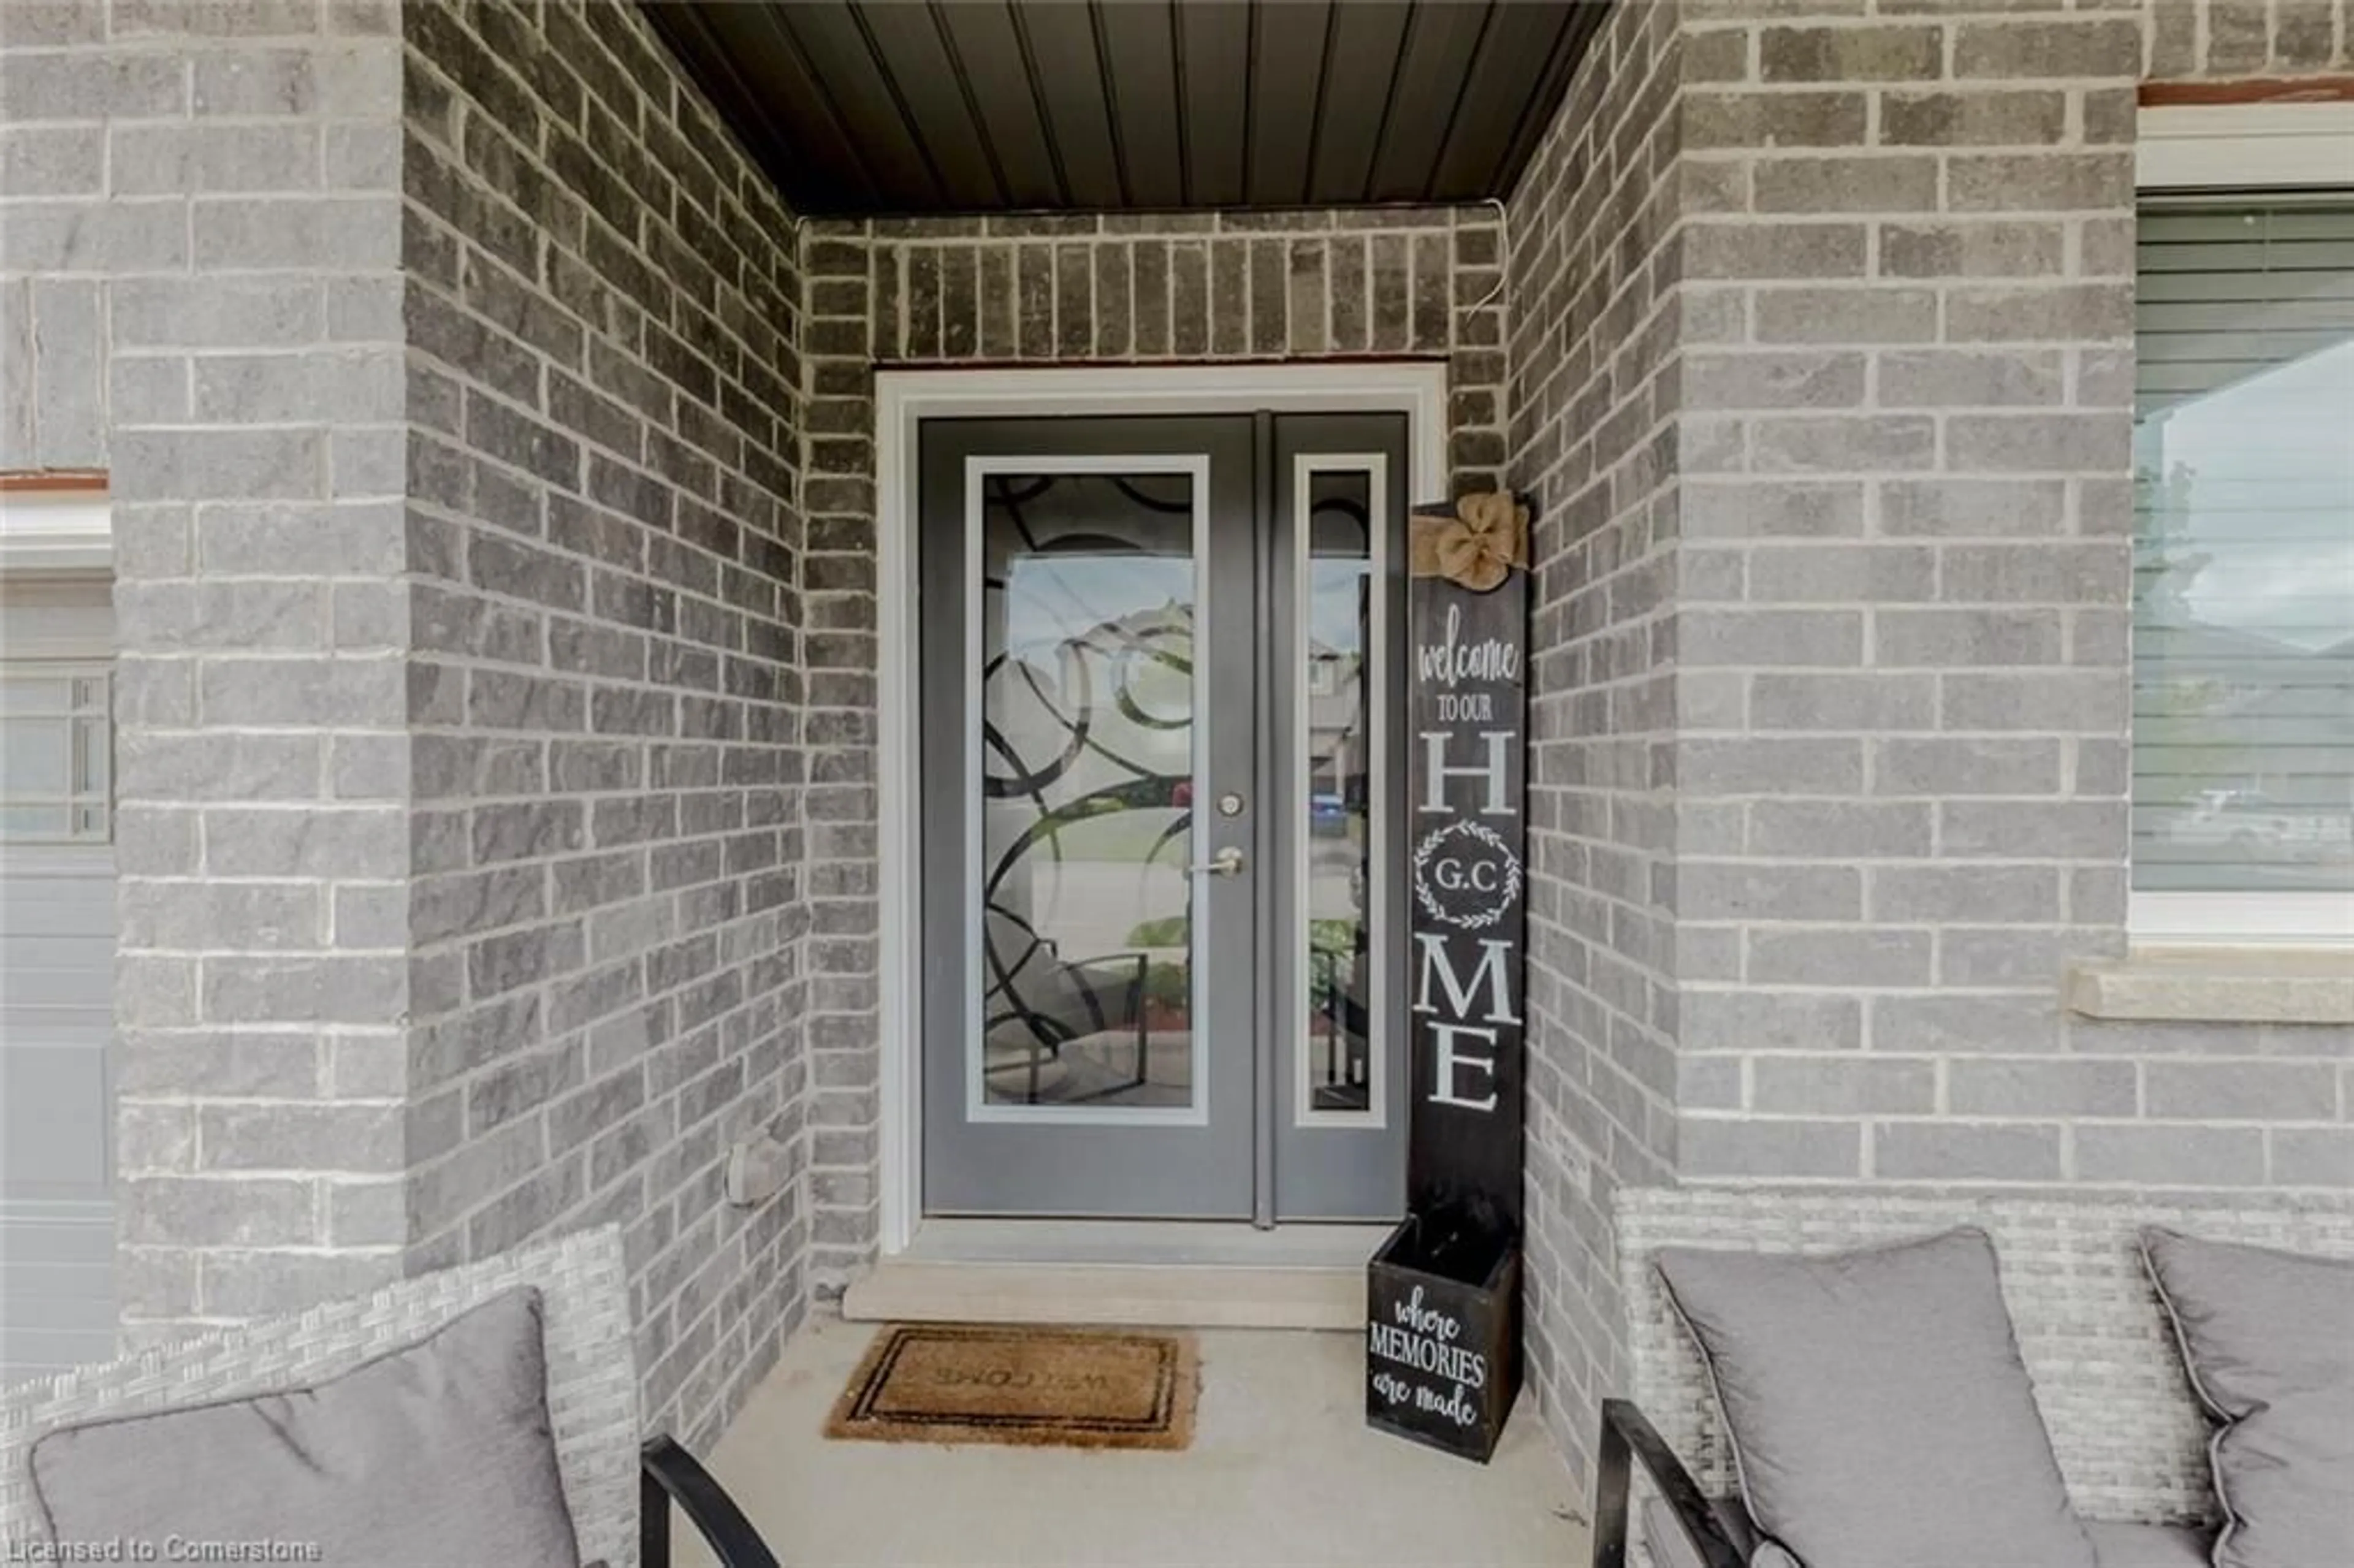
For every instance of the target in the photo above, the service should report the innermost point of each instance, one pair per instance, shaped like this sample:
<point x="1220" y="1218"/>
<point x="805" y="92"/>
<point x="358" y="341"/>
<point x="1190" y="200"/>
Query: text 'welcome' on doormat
<point x="1077" y="1388"/>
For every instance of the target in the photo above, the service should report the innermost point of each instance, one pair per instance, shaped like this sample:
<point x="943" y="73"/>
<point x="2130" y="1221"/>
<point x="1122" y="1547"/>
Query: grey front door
<point x="1159" y="816"/>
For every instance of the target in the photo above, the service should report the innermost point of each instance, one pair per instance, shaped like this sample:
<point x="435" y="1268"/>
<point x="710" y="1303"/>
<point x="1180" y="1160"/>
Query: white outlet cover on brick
<point x="756" y="1169"/>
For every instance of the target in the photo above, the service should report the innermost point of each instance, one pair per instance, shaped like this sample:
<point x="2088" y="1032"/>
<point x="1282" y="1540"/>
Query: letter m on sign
<point x="1495" y="968"/>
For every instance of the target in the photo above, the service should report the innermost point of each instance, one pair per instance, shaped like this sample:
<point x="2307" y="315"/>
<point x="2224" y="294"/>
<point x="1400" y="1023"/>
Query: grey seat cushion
<point x="1879" y="1411"/>
<point x="2268" y="1340"/>
<point x="438" y="1452"/>
<point x="2151" y="1545"/>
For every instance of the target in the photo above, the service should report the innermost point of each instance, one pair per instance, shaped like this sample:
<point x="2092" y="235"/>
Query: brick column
<point x="249" y="243"/>
<point x="1905" y="578"/>
<point x="1833" y="737"/>
<point x="838" y="600"/>
<point x="449" y="377"/>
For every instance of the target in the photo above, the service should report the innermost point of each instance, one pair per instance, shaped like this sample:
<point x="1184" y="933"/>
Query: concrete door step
<point x="901" y="1290"/>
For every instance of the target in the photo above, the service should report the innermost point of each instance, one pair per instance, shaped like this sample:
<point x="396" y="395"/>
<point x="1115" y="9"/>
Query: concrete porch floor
<point x="1282" y="1471"/>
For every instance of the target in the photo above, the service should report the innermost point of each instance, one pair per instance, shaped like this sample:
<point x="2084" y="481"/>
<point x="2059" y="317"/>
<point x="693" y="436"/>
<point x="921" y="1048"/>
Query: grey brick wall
<point x="1829" y="418"/>
<point x="2185" y="40"/>
<point x="1906" y="578"/>
<point x="838" y="587"/>
<point x="1594" y="348"/>
<point x="1066" y="289"/>
<point x="445" y="359"/>
<point x="1905" y="584"/>
<point x="607" y="925"/>
<point x="65" y="229"/>
<point x="232" y="351"/>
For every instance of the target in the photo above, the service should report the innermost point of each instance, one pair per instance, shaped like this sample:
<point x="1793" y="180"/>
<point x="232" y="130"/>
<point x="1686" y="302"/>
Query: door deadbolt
<point x="1230" y="804"/>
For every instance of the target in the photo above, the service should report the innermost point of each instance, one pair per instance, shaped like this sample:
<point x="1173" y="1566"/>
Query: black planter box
<point x="1443" y="1334"/>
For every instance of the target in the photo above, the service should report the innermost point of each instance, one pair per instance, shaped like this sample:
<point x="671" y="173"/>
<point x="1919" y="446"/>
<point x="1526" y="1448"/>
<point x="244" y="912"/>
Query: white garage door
<point x="57" y="957"/>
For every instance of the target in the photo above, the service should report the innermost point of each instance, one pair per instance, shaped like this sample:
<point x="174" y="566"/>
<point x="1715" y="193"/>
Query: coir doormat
<point x="1078" y="1388"/>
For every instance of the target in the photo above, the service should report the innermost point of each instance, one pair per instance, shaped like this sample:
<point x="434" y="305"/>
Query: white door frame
<point x="902" y="399"/>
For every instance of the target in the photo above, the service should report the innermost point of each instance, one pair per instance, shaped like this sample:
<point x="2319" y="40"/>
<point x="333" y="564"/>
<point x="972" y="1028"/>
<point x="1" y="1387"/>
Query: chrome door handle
<point x="1228" y="862"/>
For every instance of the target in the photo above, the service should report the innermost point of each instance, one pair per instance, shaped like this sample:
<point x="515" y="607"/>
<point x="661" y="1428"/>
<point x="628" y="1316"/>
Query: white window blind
<point x="2244" y="590"/>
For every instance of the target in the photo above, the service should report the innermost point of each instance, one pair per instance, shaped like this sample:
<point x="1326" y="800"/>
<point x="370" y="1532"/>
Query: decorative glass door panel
<point x="1089" y="591"/>
<point x="1335" y="744"/>
<point x="1156" y="921"/>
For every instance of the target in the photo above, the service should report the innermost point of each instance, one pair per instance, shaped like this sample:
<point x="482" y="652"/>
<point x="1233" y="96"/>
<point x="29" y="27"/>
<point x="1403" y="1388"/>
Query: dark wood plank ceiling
<point x="873" y="106"/>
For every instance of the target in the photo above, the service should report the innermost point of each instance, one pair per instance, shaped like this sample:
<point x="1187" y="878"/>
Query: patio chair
<point x="1039" y="1002"/>
<point x="616" y="1485"/>
<point x="2133" y="1445"/>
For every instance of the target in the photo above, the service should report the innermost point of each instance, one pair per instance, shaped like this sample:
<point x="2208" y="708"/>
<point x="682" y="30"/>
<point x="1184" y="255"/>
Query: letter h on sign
<point x="1491" y="771"/>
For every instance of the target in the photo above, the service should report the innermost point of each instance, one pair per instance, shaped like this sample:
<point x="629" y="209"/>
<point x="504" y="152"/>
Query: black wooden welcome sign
<point x="1443" y="1294"/>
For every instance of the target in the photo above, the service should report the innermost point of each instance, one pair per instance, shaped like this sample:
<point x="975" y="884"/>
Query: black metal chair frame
<point x="1629" y="1439"/>
<point x="667" y="1473"/>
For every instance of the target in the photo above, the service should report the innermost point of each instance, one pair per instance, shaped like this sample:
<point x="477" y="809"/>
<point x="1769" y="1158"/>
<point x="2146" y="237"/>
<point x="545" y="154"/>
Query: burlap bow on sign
<point x="1478" y="546"/>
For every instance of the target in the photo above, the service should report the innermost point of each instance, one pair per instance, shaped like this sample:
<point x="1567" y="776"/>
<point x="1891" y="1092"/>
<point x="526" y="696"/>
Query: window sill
<point x="2218" y="985"/>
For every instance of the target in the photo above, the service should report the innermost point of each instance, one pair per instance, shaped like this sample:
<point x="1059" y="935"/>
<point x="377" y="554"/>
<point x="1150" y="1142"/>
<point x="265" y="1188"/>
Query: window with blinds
<point x="56" y="750"/>
<point x="2243" y="561"/>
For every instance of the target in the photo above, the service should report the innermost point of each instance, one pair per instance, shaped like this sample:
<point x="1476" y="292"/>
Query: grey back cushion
<point x="439" y="1453"/>
<point x="1879" y="1411"/>
<point x="2269" y="1339"/>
